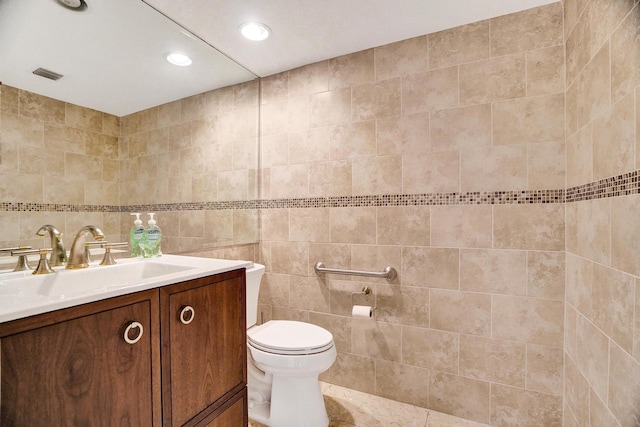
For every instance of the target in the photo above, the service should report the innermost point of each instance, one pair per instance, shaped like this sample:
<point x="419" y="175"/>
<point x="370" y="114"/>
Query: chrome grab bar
<point x="389" y="273"/>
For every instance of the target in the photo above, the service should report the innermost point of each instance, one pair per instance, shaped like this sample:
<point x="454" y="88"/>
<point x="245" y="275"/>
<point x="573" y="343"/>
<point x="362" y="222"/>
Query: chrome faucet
<point x="58" y="254"/>
<point x="77" y="255"/>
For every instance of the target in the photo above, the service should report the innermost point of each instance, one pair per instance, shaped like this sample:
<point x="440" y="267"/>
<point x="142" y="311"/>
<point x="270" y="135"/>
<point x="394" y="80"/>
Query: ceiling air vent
<point x="43" y="72"/>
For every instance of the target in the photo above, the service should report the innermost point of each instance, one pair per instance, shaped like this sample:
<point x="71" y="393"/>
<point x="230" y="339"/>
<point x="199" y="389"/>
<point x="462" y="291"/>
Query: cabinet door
<point x="203" y="345"/>
<point x="81" y="371"/>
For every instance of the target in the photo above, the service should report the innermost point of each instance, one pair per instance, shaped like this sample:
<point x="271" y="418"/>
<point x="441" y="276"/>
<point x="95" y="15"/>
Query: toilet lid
<point x="290" y="337"/>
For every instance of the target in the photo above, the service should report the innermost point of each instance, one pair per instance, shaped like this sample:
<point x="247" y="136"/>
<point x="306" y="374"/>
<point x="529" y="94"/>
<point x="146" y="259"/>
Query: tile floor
<point x="349" y="408"/>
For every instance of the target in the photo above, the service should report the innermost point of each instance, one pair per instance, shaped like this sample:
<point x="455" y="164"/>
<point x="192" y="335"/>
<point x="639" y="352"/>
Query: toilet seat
<point x="288" y="337"/>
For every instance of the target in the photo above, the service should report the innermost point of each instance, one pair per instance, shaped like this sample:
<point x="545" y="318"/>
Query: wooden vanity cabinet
<point x="204" y="350"/>
<point x="74" y="367"/>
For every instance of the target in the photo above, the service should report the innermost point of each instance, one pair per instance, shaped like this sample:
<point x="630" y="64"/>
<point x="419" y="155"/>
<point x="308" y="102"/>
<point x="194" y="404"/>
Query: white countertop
<point x="23" y="294"/>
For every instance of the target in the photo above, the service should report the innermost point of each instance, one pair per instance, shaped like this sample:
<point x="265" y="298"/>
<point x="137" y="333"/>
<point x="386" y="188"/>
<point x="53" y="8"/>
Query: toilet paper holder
<point x="365" y="291"/>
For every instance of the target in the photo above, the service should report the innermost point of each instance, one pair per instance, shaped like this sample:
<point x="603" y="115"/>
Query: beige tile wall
<point x="477" y="324"/>
<point x="602" y="349"/>
<point x="474" y="324"/>
<point x="52" y="152"/>
<point x="198" y="149"/>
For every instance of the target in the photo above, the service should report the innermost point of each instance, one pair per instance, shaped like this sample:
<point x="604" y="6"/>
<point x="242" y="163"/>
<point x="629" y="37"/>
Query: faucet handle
<point x="108" y="257"/>
<point x="23" y="262"/>
<point x="87" y="246"/>
<point x="15" y="248"/>
<point x="43" y="264"/>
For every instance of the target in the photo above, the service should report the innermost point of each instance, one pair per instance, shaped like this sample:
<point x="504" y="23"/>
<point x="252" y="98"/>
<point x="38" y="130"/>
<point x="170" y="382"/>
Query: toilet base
<point x="295" y="402"/>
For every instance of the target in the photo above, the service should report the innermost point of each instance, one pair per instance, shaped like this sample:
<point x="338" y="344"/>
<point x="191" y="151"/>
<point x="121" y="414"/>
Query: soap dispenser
<point x="152" y="238"/>
<point x="135" y="236"/>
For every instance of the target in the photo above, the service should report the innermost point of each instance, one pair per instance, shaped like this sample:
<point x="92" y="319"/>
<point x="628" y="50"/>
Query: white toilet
<point x="284" y="361"/>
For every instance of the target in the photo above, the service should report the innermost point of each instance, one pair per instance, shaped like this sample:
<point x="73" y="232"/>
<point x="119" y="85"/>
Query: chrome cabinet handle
<point x="131" y="326"/>
<point x="187" y="310"/>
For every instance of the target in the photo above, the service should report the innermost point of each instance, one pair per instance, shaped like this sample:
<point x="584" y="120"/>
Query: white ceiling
<point x="112" y="54"/>
<point x="307" y="31"/>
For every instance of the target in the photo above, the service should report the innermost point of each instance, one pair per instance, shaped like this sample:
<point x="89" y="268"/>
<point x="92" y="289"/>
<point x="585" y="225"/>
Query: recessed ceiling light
<point x="255" y="31"/>
<point x="178" y="59"/>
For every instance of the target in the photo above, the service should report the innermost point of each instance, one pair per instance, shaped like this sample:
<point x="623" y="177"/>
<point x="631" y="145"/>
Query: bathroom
<point x="494" y="165"/>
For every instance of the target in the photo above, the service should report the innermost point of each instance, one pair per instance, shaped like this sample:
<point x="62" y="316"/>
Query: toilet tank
<point x="254" y="276"/>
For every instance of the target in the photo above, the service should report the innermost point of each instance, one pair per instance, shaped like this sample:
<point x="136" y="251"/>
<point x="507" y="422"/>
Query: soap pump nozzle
<point x="136" y="236"/>
<point x="151" y="221"/>
<point x="138" y="221"/>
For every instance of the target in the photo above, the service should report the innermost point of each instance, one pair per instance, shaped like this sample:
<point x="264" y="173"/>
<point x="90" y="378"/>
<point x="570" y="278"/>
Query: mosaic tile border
<point x="57" y="207"/>
<point x="425" y="199"/>
<point x="621" y="185"/>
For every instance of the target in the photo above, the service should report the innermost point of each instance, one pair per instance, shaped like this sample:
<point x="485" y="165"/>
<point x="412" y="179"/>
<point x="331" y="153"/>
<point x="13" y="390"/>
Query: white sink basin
<point x="23" y="294"/>
<point x="65" y="283"/>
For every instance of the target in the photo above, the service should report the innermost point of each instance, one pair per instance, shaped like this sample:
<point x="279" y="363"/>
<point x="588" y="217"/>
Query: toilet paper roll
<point x="362" y="311"/>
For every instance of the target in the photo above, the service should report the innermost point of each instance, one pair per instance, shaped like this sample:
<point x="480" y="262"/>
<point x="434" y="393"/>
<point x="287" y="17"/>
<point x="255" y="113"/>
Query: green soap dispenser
<point x="152" y="238"/>
<point x="135" y="236"/>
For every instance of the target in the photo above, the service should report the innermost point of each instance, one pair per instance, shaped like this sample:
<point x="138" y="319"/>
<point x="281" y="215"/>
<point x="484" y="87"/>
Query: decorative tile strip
<point x="426" y="199"/>
<point x="56" y="207"/>
<point x="621" y="185"/>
